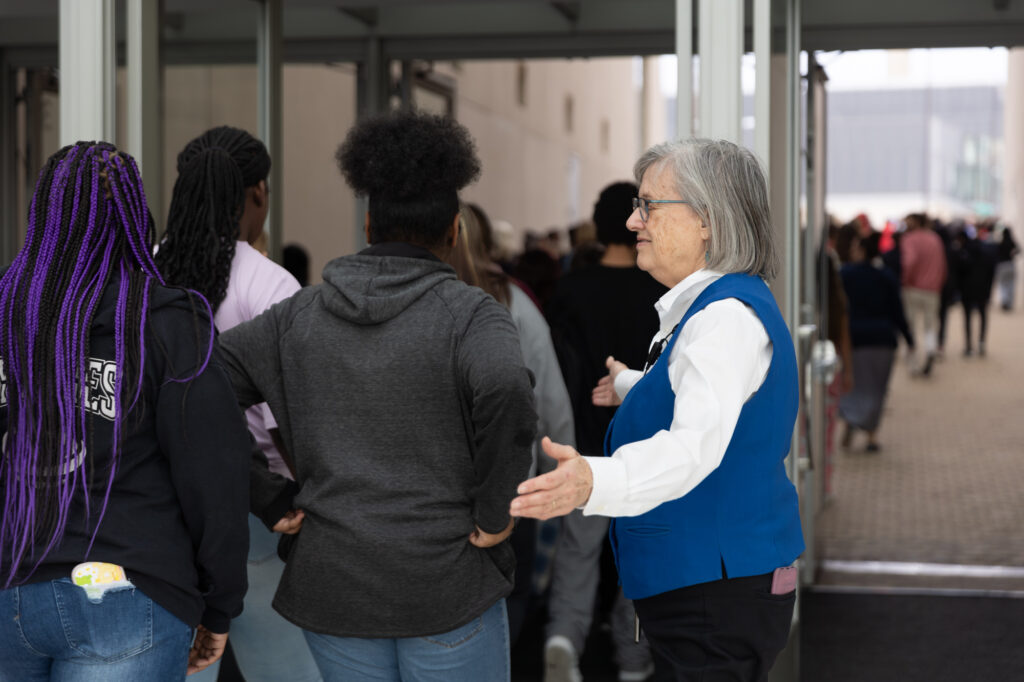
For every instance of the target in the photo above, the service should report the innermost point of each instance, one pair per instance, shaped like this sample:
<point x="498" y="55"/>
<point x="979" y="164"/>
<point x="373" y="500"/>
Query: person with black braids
<point x="123" y="471"/>
<point x="402" y="397"/>
<point x="218" y="207"/>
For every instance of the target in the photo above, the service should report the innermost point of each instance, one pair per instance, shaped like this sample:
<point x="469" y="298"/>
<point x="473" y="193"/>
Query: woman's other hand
<point x="558" y="492"/>
<point x="604" y="394"/>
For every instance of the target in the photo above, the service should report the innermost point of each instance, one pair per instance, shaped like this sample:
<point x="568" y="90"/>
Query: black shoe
<point x="968" y="352"/>
<point x="872" y="447"/>
<point x="927" y="369"/>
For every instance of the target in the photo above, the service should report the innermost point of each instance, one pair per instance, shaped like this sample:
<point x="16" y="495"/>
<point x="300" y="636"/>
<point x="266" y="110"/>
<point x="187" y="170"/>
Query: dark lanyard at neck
<point x="657" y="348"/>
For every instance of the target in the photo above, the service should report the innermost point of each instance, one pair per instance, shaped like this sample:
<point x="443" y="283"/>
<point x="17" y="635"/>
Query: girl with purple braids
<point x="123" y="469"/>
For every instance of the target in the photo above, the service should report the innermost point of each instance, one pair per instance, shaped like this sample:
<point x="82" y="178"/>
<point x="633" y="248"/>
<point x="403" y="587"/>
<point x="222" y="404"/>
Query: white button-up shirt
<point x="720" y="359"/>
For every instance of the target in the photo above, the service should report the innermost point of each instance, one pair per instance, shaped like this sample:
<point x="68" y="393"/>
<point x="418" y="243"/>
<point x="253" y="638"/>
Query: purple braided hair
<point x="88" y="226"/>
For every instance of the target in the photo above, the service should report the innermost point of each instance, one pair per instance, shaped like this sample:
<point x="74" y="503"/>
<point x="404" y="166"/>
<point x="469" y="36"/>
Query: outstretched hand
<point x="557" y="492"/>
<point x="604" y="394"/>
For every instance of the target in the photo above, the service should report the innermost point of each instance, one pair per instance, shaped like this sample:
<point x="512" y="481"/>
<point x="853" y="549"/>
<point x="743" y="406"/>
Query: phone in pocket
<point x="784" y="580"/>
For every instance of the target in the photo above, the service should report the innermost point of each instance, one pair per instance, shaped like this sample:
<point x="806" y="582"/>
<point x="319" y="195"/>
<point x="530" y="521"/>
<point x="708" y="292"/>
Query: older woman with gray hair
<point x="706" y="521"/>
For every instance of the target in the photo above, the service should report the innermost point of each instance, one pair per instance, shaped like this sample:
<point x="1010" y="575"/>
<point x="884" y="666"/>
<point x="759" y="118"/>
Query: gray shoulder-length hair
<point x="725" y="185"/>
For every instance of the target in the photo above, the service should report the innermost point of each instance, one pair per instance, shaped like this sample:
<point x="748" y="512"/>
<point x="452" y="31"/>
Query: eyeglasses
<point x="645" y="205"/>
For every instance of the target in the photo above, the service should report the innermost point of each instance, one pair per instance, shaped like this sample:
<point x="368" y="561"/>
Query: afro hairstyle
<point x="612" y="210"/>
<point x="411" y="166"/>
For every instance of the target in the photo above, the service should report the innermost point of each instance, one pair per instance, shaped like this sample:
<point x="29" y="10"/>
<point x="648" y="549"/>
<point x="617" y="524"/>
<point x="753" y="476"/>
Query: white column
<point x="793" y="93"/>
<point x="269" y="62"/>
<point x="763" y="81"/>
<point x="721" y="51"/>
<point x="1013" y="144"/>
<point x="684" y="68"/>
<point x="144" y="85"/>
<point x="655" y="121"/>
<point x="86" y="70"/>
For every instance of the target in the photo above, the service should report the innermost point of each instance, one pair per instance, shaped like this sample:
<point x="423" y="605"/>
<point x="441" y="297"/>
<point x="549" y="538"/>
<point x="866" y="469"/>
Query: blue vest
<point x="745" y="515"/>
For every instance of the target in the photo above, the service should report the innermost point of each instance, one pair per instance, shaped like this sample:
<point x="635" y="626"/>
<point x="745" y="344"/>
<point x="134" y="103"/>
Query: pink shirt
<point x="922" y="260"/>
<point x="255" y="284"/>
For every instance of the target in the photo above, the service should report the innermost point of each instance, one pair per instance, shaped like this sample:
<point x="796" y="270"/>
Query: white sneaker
<point x="561" y="663"/>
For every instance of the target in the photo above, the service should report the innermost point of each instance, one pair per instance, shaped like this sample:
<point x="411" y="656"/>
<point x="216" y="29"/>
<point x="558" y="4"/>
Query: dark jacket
<point x="401" y="394"/>
<point x="875" y="306"/>
<point x="176" y="516"/>
<point x="977" y="271"/>
<point x="596" y="312"/>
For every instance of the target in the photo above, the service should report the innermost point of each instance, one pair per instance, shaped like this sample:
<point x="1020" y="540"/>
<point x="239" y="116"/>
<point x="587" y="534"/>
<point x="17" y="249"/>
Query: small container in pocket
<point x="97" y="578"/>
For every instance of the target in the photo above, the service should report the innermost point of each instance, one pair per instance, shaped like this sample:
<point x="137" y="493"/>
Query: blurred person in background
<point x="838" y="332"/>
<point x="876" y="316"/>
<point x="474" y="266"/>
<point x="596" y="312"/>
<point x="1006" y="269"/>
<point x="976" y="267"/>
<point x="295" y="259"/>
<point x="923" y="272"/>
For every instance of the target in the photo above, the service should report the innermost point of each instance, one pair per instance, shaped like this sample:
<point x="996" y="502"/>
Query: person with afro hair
<point x="402" y="395"/>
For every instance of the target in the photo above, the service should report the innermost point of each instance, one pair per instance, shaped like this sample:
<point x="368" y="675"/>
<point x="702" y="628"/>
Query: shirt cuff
<point x="610" y="485"/>
<point x="625" y="380"/>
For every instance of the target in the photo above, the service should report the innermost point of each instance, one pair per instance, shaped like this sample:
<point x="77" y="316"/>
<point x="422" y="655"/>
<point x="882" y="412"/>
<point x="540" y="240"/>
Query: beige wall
<point x="537" y="173"/>
<point x="319" y="107"/>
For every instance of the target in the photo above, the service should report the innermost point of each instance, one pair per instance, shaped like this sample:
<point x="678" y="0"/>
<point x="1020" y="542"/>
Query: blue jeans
<point x="51" y="631"/>
<point x="267" y="647"/>
<point x="475" y="652"/>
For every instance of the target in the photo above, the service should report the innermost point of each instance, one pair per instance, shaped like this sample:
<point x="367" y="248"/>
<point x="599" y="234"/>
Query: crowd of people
<point x="901" y="284"/>
<point x="390" y="469"/>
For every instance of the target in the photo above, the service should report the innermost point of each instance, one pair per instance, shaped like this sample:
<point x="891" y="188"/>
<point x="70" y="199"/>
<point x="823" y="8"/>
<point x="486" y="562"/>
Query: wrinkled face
<point x="670" y="244"/>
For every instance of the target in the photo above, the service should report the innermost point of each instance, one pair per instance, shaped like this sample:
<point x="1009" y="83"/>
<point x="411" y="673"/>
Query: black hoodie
<point x="176" y="517"/>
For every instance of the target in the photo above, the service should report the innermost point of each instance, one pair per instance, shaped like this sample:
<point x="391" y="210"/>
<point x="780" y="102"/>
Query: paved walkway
<point x="948" y="485"/>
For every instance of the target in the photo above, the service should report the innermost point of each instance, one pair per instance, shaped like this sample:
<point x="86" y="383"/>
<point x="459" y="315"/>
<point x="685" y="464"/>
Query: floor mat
<point x="896" y="638"/>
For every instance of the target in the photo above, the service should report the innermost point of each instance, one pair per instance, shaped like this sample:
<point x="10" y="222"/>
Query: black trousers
<point x="728" y="630"/>
<point x="970" y="307"/>
<point x="524" y="542"/>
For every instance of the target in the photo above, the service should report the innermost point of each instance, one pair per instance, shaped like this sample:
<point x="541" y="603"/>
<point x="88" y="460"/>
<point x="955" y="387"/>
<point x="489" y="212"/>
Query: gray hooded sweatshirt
<point x="401" y="396"/>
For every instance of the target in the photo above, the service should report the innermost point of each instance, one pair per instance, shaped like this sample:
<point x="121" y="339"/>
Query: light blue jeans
<point x="475" y="652"/>
<point x="51" y="631"/>
<point x="267" y="647"/>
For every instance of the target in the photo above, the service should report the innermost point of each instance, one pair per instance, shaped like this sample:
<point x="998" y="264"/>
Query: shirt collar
<point x="676" y="301"/>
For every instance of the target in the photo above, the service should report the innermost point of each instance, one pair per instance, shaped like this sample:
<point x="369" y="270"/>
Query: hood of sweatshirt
<point x="380" y="282"/>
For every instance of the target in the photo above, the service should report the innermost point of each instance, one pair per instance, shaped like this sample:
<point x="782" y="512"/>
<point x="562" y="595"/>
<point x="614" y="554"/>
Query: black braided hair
<point x="208" y="201"/>
<point x="411" y="165"/>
